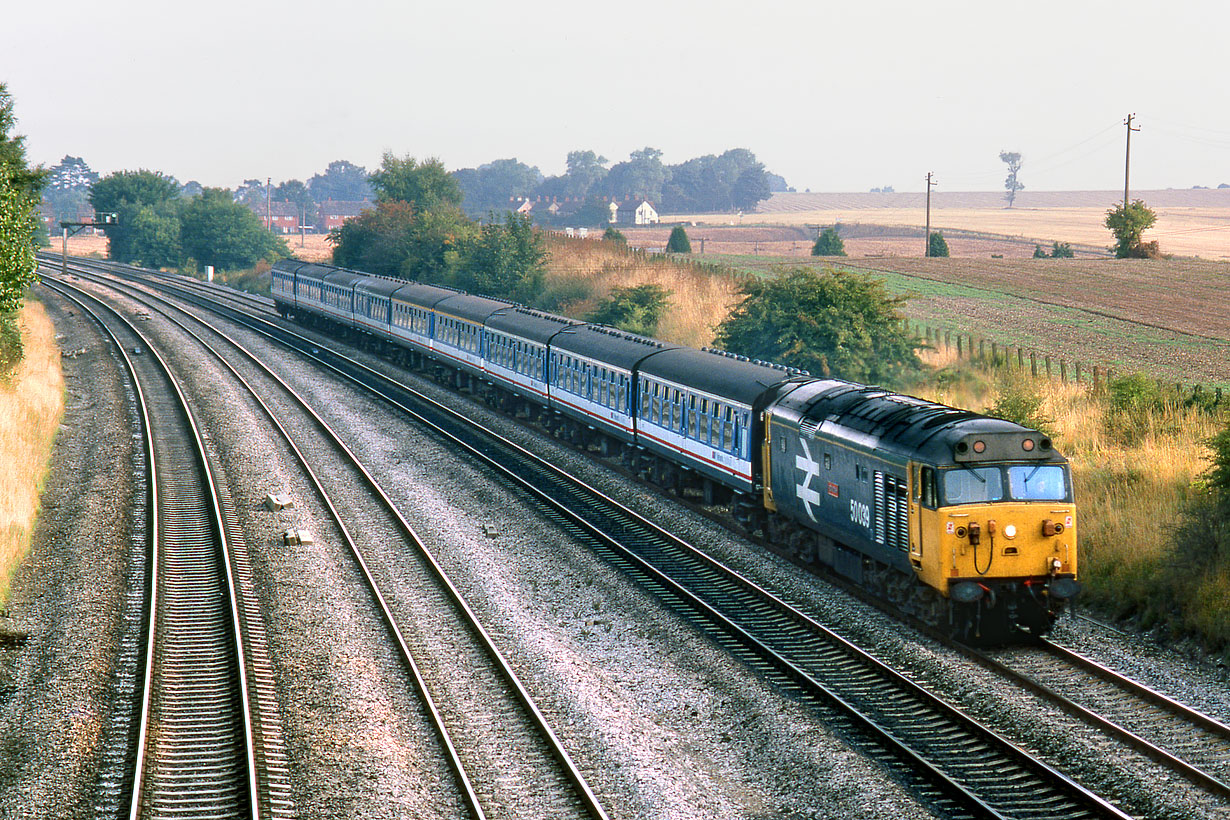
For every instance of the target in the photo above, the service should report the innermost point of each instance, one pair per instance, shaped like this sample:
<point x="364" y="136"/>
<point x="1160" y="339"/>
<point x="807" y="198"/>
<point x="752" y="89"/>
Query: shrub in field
<point x="828" y="243"/>
<point x="1062" y="250"/>
<point x="559" y="294"/>
<point x="636" y="309"/>
<point x="613" y="234"/>
<point x="1020" y="401"/>
<point x="1128" y="223"/>
<point x="678" y="241"/>
<point x="10" y="343"/>
<point x="936" y="246"/>
<point x="1039" y="253"/>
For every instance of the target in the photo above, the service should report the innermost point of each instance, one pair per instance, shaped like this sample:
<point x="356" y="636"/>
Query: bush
<point x="637" y="309"/>
<point x="832" y="323"/>
<point x="1039" y="253"/>
<point x="828" y="243"/>
<point x="1135" y="391"/>
<point x="11" y="349"/>
<point x="1020" y="401"/>
<point x="936" y="246"/>
<point x="557" y="297"/>
<point x="613" y="234"/>
<point x="678" y="241"/>
<point x="1061" y="250"/>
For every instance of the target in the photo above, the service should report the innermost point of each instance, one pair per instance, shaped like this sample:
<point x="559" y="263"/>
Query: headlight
<point x="1010" y="531"/>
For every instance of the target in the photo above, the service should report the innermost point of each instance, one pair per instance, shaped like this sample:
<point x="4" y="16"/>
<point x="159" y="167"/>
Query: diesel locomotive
<point x="966" y="521"/>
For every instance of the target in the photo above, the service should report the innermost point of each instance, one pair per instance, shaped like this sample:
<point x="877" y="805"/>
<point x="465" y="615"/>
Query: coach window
<point x="702" y="421"/>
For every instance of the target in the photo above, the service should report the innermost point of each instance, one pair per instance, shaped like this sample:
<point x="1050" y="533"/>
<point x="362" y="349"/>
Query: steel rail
<point x="572" y="772"/>
<point x="141" y="791"/>
<point x="1092" y="802"/>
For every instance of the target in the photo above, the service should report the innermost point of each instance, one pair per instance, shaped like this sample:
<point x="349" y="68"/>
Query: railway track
<point x="515" y="765"/>
<point x="1184" y="740"/>
<point x="205" y="740"/>
<point x="960" y="767"/>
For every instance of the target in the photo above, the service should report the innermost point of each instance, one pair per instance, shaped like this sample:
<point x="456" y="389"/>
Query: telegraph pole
<point x="927" y="233"/>
<point x="1127" y="157"/>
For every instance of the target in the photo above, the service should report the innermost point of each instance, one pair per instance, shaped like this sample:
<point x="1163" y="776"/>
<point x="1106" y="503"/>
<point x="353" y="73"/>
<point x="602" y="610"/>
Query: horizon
<point x="834" y="99"/>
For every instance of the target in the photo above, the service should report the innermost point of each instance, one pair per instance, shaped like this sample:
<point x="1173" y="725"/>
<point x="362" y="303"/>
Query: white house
<point x="643" y="214"/>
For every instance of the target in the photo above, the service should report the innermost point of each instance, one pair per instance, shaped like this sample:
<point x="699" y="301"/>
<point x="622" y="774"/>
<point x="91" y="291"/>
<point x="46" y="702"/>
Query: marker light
<point x="1010" y="531"/>
<point x="980" y="446"/>
<point x="1027" y="444"/>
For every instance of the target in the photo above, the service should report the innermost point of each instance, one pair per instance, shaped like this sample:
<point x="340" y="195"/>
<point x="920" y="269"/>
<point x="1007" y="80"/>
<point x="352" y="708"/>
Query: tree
<point x="152" y="236"/>
<point x="1062" y="250"/>
<point x="1218" y="475"/>
<point x="342" y="181"/>
<point x="613" y="234"/>
<point x="253" y="192"/>
<point x="18" y="267"/>
<point x="293" y="190"/>
<point x="678" y="241"/>
<point x="397" y="239"/>
<point x="642" y="176"/>
<point x="491" y="186"/>
<point x="19" y="196"/>
<point x="828" y="243"/>
<point x="1039" y="253"/>
<point x="1011" y="183"/>
<point x="215" y="230"/>
<point x="506" y="261"/>
<point x="734" y="180"/>
<point x="126" y="193"/>
<point x="28" y="181"/>
<point x="832" y="323"/>
<point x="1128" y="224"/>
<point x="68" y="188"/>
<point x="426" y="184"/>
<point x="936" y="246"/>
<point x="636" y="309"/>
<point x="585" y="170"/>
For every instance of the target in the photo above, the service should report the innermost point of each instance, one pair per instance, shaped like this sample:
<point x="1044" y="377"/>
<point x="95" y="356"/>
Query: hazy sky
<point x="834" y="96"/>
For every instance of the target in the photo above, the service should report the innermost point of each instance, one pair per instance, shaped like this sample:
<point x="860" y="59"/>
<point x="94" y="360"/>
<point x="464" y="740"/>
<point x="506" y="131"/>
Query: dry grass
<point x="31" y="404"/>
<point x="587" y="269"/>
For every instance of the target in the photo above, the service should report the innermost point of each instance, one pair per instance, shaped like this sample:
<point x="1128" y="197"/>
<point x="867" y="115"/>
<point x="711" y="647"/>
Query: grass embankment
<point x="31" y="405"/>
<point x="581" y="272"/>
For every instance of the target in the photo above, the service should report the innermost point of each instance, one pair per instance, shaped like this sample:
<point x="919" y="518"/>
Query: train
<point x="964" y="521"/>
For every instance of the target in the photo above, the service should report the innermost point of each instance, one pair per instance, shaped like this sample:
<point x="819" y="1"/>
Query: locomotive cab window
<point x="972" y="485"/>
<point x="1041" y="482"/>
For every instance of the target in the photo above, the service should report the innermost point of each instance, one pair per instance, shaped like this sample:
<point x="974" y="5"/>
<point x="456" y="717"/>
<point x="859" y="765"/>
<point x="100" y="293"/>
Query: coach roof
<point x="717" y="373"/>
<point x="607" y="344"/>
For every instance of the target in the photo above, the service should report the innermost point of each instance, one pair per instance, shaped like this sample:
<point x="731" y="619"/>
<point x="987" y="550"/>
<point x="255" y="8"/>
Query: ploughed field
<point x="1167" y="318"/>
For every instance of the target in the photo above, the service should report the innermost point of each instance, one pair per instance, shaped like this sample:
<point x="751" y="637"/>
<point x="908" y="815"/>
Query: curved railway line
<point x="959" y="766"/>
<point x="1182" y="739"/>
<point x="526" y="752"/>
<point x="205" y="739"/>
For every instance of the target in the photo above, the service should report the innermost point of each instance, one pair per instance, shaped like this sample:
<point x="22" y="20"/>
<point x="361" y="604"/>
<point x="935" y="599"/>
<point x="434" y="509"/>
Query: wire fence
<point x="1038" y="365"/>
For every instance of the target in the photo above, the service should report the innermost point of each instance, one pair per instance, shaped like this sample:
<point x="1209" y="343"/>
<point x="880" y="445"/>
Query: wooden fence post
<point x="1048" y="366"/>
<point x="1063" y="371"/>
<point x="1020" y="359"/>
<point x="958" y="345"/>
<point x="1078" y="372"/>
<point x="1095" y="378"/>
<point x="1033" y="363"/>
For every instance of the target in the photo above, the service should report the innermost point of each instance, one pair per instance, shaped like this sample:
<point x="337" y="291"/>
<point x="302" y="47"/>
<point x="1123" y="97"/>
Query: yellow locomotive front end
<point x="994" y="532"/>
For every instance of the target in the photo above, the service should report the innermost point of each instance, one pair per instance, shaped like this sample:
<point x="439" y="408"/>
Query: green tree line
<point x="157" y="226"/>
